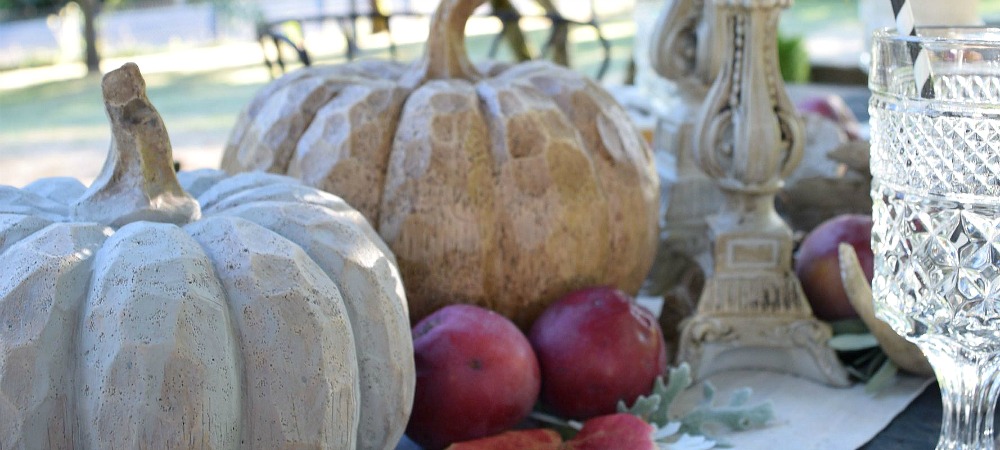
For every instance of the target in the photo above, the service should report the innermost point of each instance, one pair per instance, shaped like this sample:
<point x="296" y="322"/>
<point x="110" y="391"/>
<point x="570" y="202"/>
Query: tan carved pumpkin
<point x="263" y="315"/>
<point x="502" y="186"/>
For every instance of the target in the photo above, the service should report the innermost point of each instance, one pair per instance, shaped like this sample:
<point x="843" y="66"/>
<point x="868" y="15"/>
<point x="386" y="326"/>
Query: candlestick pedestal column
<point x="752" y="313"/>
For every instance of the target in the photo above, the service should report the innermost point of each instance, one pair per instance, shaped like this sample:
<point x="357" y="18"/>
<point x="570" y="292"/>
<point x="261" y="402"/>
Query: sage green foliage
<point x="655" y="407"/>
<point x="862" y="356"/>
<point x="736" y="415"/>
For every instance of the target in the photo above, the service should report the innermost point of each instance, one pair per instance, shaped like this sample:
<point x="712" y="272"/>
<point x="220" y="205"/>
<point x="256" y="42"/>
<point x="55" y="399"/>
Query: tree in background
<point x="91" y="57"/>
<point x="28" y="8"/>
<point x="89" y="8"/>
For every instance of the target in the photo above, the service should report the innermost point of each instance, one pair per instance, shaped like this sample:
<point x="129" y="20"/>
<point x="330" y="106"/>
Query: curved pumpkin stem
<point x="138" y="180"/>
<point x="445" y="56"/>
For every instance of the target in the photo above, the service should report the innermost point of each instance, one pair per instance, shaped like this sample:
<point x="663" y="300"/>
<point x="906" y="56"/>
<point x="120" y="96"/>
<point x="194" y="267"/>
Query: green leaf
<point x="883" y="378"/>
<point x="849" y="326"/>
<point x="644" y="407"/>
<point x="654" y="408"/>
<point x="853" y="342"/>
<point x="735" y="415"/>
<point x="740" y="397"/>
<point x="875" y="364"/>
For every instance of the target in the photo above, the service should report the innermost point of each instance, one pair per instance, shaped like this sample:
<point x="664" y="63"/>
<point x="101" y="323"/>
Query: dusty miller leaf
<point x="655" y="407"/>
<point x="735" y="415"/>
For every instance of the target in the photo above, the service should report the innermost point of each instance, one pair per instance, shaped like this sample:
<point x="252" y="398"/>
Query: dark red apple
<point x="595" y="347"/>
<point x="533" y="439"/>
<point x="476" y="376"/>
<point x="833" y="108"/>
<point x="817" y="263"/>
<point x="614" y="431"/>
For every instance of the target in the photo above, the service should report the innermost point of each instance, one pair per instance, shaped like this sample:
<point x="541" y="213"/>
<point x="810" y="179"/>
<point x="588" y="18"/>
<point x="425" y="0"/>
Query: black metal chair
<point x="273" y="33"/>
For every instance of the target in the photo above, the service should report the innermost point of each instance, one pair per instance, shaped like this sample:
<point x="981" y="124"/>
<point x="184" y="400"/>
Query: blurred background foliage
<point x="200" y="77"/>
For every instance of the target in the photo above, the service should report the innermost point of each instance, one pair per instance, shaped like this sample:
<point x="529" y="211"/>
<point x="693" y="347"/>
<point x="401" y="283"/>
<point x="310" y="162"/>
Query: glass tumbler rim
<point x="936" y="35"/>
<point x="951" y="53"/>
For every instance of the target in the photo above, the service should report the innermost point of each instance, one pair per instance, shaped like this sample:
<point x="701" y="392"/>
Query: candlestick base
<point x="753" y="314"/>
<point x="798" y="347"/>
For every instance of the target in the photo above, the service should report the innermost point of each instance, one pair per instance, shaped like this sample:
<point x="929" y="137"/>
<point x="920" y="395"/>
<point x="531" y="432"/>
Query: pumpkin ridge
<point x="17" y="227"/>
<point x="151" y="355"/>
<point x="253" y="108"/>
<point x="248" y="115"/>
<point x="347" y="146"/>
<point x="301" y="323"/>
<point x="225" y="190"/>
<point x="236" y="337"/>
<point x="489" y="225"/>
<point x="27" y="203"/>
<point x="440" y="160"/>
<point x="591" y="109"/>
<point x="58" y="260"/>
<point x="271" y="135"/>
<point x="549" y="197"/>
<point x="348" y="256"/>
<point x="62" y="190"/>
<point x="277" y="193"/>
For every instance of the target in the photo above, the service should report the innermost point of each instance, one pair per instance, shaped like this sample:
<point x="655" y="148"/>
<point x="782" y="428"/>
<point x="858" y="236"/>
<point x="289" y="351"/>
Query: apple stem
<point x="553" y="420"/>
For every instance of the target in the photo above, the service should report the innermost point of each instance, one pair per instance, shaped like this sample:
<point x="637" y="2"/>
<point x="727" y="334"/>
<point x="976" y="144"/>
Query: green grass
<point x="50" y="116"/>
<point x="72" y="110"/>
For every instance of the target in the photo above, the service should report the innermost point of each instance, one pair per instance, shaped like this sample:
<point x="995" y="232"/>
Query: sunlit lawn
<point x="193" y="101"/>
<point x="199" y="107"/>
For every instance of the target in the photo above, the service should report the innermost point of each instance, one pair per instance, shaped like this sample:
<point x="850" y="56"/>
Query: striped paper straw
<point x="906" y="26"/>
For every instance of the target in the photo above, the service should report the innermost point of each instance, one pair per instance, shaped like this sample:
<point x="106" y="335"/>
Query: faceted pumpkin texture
<point x="505" y="189"/>
<point x="278" y="320"/>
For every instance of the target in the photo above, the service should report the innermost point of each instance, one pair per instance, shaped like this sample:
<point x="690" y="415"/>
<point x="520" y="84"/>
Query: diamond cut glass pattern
<point x="946" y="255"/>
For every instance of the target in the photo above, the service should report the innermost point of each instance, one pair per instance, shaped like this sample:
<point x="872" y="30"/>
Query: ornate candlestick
<point x="752" y="312"/>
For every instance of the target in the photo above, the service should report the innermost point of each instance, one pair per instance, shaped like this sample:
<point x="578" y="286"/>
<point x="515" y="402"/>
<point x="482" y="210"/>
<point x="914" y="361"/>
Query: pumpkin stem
<point x="445" y="56"/>
<point x="138" y="180"/>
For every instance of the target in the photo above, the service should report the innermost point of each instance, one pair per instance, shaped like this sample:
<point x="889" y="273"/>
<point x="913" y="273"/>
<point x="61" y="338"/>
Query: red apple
<point x="817" y="263"/>
<point x="607" y="432"/>
<point x="614" y="431"/>
<point x="833" y="108"/>
<point x="596" y="346"/>
<point x="533" y="439"/>
<point x="476" y="376"/>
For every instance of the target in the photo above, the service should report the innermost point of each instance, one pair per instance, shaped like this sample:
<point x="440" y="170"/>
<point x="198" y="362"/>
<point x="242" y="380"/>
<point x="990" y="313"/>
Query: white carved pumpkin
<point x="262" y="315"/>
